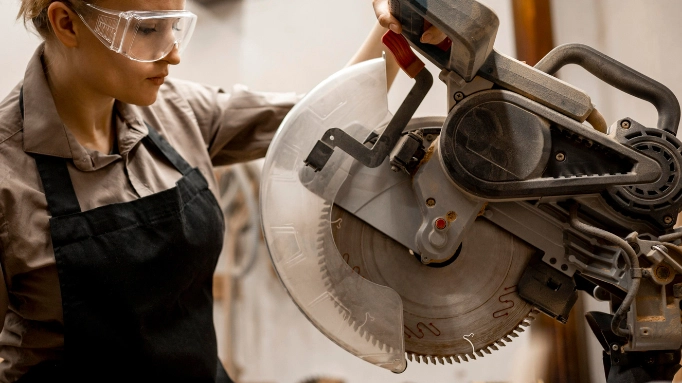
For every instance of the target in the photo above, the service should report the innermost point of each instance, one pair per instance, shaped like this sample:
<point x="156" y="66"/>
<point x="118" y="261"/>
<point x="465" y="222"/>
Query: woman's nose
<point x="173" y="57"/>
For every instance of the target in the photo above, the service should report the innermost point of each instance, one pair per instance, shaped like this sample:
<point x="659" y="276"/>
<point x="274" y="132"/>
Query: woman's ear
<point x="63" y="21"/>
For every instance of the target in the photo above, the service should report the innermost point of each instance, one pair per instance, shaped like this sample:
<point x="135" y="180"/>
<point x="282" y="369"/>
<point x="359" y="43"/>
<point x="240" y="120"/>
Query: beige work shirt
<point x="205" y="125"/>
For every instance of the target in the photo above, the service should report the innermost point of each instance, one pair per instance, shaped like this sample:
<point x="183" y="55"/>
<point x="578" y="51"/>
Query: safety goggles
<point x="144" y="36"/>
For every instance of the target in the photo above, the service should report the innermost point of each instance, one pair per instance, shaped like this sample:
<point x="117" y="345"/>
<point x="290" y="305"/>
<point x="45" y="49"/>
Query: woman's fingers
<point x="383" y="12"/>
<point x="433" y="36"/>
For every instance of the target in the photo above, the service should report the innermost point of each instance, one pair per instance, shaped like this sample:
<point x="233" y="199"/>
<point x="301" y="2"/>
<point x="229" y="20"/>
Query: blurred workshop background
<point x="293" y="45"/>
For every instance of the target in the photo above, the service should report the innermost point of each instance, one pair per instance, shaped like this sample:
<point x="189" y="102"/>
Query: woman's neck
<point x="87" y="114"/>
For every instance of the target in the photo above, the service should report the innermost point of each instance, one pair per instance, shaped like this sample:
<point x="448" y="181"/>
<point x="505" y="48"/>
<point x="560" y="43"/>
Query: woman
<point x="109" y="227"/>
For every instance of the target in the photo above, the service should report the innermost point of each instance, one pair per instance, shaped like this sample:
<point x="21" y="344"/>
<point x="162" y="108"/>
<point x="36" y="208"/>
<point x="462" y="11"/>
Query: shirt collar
<point x="44" y="132"/>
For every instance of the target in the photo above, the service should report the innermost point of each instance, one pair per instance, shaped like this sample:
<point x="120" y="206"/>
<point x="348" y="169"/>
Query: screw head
<point x="625" y="124"/>
<point x="451" y="216"/>
<point x="459" y="96"/>
<point x="668" y="220"/>
<point x="430" y="202"/>
<point x="561" y="157"/>
<point x="615" y="347"/>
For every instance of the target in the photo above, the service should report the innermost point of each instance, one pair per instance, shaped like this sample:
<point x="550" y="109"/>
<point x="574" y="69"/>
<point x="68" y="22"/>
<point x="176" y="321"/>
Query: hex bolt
<point x="561" y="157"/>
<point x="625" y="124"/>
<point x="430" y="202"/>
<point x="668" y="220"/>
<point x="459" y="96"/>
<point x="430" y="137"/>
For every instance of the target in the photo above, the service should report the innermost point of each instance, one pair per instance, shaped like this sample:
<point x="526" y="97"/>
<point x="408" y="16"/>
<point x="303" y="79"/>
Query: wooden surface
<point x="533" y="29"/>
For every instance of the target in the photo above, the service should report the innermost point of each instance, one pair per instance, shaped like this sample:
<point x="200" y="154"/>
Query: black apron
<point x="136" y="280"/>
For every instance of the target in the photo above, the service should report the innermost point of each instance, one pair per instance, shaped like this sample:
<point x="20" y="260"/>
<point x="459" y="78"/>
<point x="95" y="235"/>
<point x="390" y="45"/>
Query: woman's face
<point x="113" y="75"/>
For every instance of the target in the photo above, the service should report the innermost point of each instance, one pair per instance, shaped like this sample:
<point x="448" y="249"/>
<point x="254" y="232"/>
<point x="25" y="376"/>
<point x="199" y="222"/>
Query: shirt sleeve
<point x="238" y="126"/>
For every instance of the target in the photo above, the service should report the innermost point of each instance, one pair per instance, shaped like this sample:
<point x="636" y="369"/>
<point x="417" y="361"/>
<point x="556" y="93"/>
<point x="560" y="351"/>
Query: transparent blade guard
<point x="364" y="318"/>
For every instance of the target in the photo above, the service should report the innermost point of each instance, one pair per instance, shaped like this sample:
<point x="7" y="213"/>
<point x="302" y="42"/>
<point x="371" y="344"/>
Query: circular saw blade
<point x="453" y="313"/>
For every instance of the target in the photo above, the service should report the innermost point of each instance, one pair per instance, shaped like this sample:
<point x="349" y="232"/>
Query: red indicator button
<point x="441" y="224"/>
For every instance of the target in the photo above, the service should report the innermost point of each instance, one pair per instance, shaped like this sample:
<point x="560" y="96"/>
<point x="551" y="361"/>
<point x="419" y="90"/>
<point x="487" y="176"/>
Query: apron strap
<point x="167" y="150"/>
<point x="59" y="192"/>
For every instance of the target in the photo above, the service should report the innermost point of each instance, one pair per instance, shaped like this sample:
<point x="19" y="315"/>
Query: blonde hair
<point x="35" y="11"/>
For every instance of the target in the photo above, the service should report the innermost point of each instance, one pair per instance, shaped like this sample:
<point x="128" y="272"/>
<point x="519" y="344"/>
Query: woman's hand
<point x="381" y="7"/>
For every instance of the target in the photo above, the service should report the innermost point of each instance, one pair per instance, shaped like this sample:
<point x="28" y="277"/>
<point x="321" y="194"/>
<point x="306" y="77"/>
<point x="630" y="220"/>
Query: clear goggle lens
<point x="140" y="35"/>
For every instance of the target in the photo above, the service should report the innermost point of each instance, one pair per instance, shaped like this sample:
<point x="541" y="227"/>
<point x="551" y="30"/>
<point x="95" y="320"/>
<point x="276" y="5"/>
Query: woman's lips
<point x="158" y="81"/>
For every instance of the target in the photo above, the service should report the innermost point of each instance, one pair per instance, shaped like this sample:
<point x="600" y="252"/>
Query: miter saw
<point x="439" y="239"/>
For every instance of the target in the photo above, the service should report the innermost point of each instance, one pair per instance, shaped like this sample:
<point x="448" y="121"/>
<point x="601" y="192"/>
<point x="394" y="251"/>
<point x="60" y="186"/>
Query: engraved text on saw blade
<point x="338" y="223"/>
<point x="346" y="258"/>
<point x="421" y="326"/>
<point x="508" y="304"/>
<point x="466" y="337"/>
<point x="368" y="318"/>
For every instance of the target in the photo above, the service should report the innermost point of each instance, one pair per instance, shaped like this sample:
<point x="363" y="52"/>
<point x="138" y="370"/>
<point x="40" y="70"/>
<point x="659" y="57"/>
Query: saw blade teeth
<point x="408" y="355"/>
<point x="487" y="351"/>
<point x="525" y="324"/>
<point x="513" y="335"/>
<point x="519" y="329"/>
<point x="500" y="343"/>
<point x="494" y="347"/>
<point x="507" y="338"/>
<point x="448" y="359"/>
<point x="464" y="358"/>
<point x="480" y="353"/>
<point x="456" y="359"/>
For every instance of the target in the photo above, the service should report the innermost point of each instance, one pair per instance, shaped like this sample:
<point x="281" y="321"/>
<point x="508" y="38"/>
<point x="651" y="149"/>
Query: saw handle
<point x="470" y="26"/>
<point x="619" y="76"/>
